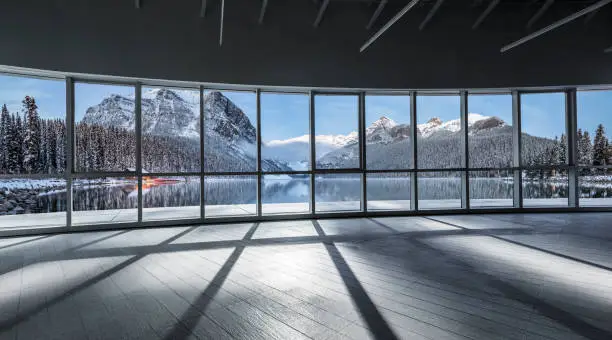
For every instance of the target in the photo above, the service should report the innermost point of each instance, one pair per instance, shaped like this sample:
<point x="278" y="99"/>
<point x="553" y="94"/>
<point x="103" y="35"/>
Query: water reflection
<point x="105" y="194"/>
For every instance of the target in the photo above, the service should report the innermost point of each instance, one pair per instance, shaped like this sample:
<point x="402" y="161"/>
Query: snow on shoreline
<point x="56" y="185"/>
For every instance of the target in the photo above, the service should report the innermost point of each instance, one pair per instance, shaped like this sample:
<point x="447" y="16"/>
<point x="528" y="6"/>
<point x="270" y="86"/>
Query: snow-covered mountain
<point x="164" y="113"/>
<point x="436" y="125"/>
<point x="229" y="136"/>
<point x="388" y="142"/>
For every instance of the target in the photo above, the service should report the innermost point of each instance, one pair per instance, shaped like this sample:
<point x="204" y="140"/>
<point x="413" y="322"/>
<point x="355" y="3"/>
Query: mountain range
<point x="230" y="137"/>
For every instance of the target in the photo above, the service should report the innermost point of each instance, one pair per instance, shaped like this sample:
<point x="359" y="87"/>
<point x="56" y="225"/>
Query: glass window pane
<point x="285" y="131"/>
<point x="170" y="130"/>
<point x="285" y="194"/>
<point x="170" y="198"/>
<point x="337" y="192"/>
<point x="543" y="140"/>
<point x="230" y="196"/>
<point x="439" y="141"/>
<point x="439" y="190"/>
<point x="32" y="203"/>
<point x="490" y="131"/>
<point x="104" y="127"/>
<point x="388" y="191"/>
<point x="545" y="188"/>
<point x="594" y="120"/>
<point x="595" y="187"/>
<point x="104" y="200"/>
<point x="32" y="126"/>
<point x="336" y="126"/>
<point x="489" y="189"/>
<point x="230" y="133"/>
<point x="388" y="132"/>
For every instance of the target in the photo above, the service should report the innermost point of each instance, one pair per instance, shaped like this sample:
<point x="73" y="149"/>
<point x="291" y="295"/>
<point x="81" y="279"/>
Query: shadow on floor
<point x="565" y="318"/>
<point x="190" y="318"/>
<point x="377" y="325"/>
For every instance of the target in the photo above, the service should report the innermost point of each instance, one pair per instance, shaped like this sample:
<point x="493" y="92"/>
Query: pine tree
<point x="43" y="150"/>
<point x="31" y="160"/>
<point x="5" y="130"/>
<point x="585" y="152"/>
<point x="563" y="149"/>
<point x="15" y="147"/>
<point x="599" y="146"/>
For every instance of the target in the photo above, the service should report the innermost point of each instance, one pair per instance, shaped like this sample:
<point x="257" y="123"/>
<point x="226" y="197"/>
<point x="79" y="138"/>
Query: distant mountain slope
<point x="439" y="145"/>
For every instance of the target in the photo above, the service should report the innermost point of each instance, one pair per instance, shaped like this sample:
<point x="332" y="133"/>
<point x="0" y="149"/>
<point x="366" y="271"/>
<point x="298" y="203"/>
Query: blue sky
<point x="595" y="107"/>
<point x="543" y="114"/>
<point x="396" y="108"/>
<point x="336" y="115"/>
<point x="286" y="115"/>
<point x="50" y="95"/>
<point x="499" y="105"/>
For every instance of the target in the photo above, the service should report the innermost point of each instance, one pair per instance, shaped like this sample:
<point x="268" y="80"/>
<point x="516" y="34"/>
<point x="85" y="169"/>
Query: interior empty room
<point x="306" y="169"/>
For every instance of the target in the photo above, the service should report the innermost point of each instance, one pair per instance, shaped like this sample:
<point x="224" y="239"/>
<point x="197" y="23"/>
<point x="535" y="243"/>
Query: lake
<point x="228" y="190"/>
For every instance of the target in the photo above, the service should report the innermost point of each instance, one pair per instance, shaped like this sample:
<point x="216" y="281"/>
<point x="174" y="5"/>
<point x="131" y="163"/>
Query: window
<point x="170" y="198"/>
<point x="170" y="130"/>
<point x="230" y="196"/>
<point x="32" y="203"/>
<point x="105" y="138"/>
<point x="492" y="188"/>
<point x="230" y="134"/>
<point x="439" y="140"/>
<point x="490" y="131"/>
<point x="439" y="190"/>
<point x="388" y="191"/>
<point x="285" y="131"/>
<point x="32" y="126"/>
<point x="337" y="192"/>
<point x="32" y="152"/>
<point x="543" y="140"/>
<point x="285" y="194"/>
<point x="595" y="190"/>
<point x="336" y="128"/>
<point x="388" y="133"/>
<point x="104" y="200"/>
<point x="594" y="152"/>
<point x="545" y="188"/>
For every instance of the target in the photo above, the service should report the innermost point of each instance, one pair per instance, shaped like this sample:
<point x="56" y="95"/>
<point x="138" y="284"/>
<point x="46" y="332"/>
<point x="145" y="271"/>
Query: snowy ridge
<point x="435" y="124"/>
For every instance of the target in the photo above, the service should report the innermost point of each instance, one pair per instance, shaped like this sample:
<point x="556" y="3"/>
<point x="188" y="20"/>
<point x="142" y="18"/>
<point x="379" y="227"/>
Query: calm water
<point x="328" y="188"/>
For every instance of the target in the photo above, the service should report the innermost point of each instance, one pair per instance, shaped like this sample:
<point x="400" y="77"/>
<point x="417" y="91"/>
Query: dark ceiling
<point x="313" y="43"/>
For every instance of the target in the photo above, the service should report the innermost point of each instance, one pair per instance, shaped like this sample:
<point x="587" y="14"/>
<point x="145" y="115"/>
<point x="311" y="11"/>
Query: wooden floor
<point x="512" y="276"/>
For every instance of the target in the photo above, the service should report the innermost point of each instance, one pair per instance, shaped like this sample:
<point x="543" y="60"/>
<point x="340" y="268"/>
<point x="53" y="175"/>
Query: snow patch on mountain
<point x="435" y="124"/>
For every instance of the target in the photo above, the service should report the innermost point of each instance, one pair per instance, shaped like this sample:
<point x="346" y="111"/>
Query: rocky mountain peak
<point x="486" y="124"/>
<point x="435" y="121"/>
<point x="383" y="122"/>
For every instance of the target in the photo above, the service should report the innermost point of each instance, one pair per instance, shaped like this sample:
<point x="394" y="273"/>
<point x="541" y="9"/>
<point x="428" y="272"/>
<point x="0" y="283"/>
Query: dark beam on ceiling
<point x="376" y="14"/>
<point x="262" y="13"/>
<point x="222" y="17"/>
<point x="137" y="4"/>
<point x="539" y="13"/>
<point x="390" y="23"/>
<point x="321" y="12"/>
<point x="203" y="8"/>
<point x="556" y="24"/>
<point x="431" y="13"/>
<point x="486" y="13"/>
